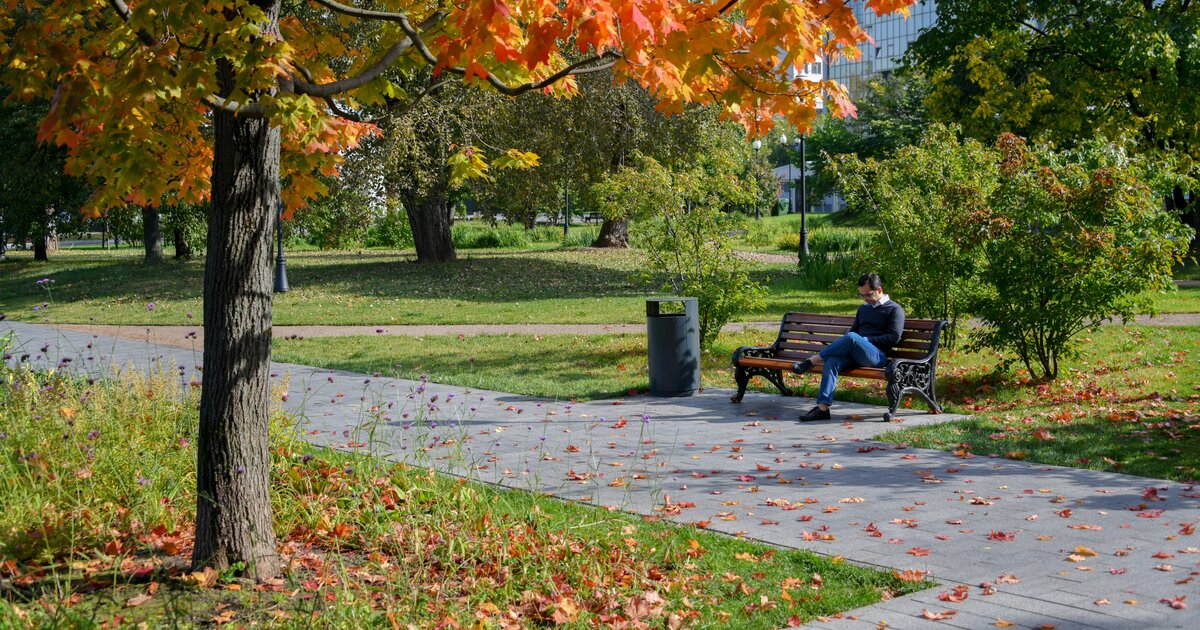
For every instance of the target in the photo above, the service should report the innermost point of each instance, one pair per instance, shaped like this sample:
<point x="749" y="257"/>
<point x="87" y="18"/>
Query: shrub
<point x="392" y="230"/>
<point x="686" y="238"/>
<point x="931" y="204"/>
<point x="1081" y="239"/>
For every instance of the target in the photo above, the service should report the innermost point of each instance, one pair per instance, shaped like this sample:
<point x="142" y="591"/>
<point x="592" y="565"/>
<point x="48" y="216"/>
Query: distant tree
<point x="37" y="200"/>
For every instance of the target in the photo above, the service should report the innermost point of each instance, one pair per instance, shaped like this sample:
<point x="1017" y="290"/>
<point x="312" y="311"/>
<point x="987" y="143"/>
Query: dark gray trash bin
<point x="673" y="347"/>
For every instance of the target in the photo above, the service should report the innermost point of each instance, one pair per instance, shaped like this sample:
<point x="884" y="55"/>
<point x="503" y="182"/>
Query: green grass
<point x="1129" y="403"/>
<point x="99" y="499"/>
<point x="580" y="285"/>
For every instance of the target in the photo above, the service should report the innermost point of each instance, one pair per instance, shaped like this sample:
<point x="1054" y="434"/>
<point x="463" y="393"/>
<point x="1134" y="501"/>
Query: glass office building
<point x="892" y="34"/>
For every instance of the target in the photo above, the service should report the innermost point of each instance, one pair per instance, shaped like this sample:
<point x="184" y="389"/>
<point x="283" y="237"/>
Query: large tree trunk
<point x="233" y="513"/>
<point x="183" y="251"/>
<point x="430" y="221"/>
<point x="152" y="234"/>
<point x="613" y="234"/>
<point x="40" y="247"/>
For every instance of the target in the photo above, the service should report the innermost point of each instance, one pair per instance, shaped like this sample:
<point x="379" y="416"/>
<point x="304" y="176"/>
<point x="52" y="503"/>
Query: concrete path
<point x="1031" y="545"/>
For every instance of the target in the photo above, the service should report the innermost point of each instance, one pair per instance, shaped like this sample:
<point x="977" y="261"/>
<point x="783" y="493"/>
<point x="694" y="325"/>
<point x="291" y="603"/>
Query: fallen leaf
<point x="937" y="616"/>
<point x="1178" y="603"/>
<point x="137" y="600"/>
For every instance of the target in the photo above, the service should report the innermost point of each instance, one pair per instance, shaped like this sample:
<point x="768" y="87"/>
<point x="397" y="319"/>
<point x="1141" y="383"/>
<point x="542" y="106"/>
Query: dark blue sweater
<point x="881" y="325"/>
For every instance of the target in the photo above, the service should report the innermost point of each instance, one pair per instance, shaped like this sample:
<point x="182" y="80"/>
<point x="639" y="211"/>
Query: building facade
<point x="892" y="34"/>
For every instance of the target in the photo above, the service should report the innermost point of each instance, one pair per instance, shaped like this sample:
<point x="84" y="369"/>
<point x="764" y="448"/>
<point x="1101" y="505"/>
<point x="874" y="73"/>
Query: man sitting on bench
<point x="877" y="327"/>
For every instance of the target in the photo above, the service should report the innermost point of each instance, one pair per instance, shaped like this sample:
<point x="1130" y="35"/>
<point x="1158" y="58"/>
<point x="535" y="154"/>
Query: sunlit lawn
<point x="1129" y="403"/>
<point x="581" y="285"/>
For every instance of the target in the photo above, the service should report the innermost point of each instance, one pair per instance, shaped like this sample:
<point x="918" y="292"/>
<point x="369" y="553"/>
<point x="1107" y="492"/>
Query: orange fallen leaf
<point x="937" y="616"/>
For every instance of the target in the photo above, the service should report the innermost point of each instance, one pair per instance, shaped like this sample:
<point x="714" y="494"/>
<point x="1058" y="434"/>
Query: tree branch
<point x="125" y="14"/>
<point x="365" y="14"/>
<point x="372" y="71"/>
<point x="576" y="68"/>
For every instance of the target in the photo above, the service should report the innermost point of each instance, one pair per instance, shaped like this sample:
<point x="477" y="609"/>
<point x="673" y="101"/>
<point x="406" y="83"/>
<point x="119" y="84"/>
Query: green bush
<point x="930" y="202"/>
<point x="1078" y="238"/>
<point x="823" y="269"/>
<point x="687" y="239"/>
<point x="392" y="230"/>
<point x="828" y="239"/>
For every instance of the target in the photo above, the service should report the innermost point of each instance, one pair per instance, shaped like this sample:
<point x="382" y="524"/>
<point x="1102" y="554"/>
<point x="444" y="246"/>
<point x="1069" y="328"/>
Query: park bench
<point x="911" y="366"/>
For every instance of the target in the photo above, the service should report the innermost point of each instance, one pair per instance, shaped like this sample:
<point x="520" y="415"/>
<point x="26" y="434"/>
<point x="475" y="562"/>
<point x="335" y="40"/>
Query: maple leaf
<point x="917" y="551"/>
<point x="137" y="600"/>
<point x="910" y="575"/>
<point x="937" y="616"/>
<point x="1178" y="603"/>
<point x="956" y="595"/>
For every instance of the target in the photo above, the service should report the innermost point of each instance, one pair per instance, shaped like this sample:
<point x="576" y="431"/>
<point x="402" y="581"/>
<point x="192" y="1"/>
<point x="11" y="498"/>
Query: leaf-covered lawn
<point x="99" y="498"/>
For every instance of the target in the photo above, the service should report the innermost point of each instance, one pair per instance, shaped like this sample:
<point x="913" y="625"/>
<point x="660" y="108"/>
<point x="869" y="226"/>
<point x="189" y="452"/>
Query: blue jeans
<point x="851" y="351"/>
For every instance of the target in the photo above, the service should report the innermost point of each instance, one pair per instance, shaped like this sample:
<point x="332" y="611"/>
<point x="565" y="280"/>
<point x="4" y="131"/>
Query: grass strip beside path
<point x="1129" y="403"/>
<point x="99" y="498"/>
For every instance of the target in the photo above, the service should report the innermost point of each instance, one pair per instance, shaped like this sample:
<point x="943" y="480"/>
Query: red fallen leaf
<point x="1150" y="514"/>
<point x="619" y="424"/>
<point x="954" y="522"/>
<point x="937" y="616"/>
<point x="762" y="468"/>
<point x="910" y="575"/>
<point x="956" y="595"/>
<point x="805" y="518"/>
<point x="1151" y="494"/>
<point x="1008" y="578"/>
<point x="1162" y="555"/>
<point x="1002" y="536"/>
<point x="1187" y="529"/>
<point x="1043" y="434"/>
<point x="795" y="621"/>
<point x="1065" y="513"/>
<point x="1178" y="603"/>
<point x="917" y="551"/>
<point x="571" y="448"/>
<point x="1118" y="571"/>
<point x="745" y="477"/>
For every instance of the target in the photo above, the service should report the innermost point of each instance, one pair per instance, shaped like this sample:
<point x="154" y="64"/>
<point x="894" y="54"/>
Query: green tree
<point x="931" y="203"/>
<point x="1058" y="72"/>
<point x="38" y="201"/>
<point x="1081" y="239"/>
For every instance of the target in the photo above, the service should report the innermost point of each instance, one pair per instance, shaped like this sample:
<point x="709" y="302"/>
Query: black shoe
<point x="816" y="413"/>
<point x="801" y="367"/>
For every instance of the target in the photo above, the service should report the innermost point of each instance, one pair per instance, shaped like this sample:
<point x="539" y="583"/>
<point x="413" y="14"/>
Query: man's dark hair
<point x="870" y="280"/>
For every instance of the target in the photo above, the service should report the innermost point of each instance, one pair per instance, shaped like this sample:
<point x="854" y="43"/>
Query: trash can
<point x="673" y="346"/>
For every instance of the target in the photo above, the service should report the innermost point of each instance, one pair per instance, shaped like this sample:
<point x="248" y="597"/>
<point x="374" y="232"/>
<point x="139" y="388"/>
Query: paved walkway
<point x="1060" y="546"/>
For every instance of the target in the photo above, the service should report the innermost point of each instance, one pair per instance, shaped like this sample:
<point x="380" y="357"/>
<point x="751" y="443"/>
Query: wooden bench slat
<point x="790" y="339"/>
<point x="838" y="331"/>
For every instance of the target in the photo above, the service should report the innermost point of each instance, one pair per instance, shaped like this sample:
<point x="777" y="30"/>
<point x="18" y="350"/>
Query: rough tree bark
<point x="183" y="251"/>
<point x="613" y="234"/>
<point x="152" y="234"/>
<point x="233" y="515"/>
<point x="430" y="220"/>
<point x="40" y="247"/>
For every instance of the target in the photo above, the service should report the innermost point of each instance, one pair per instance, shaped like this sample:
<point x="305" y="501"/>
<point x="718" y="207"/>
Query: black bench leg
<point x="893" y="394"/>
<point x="776" y="378"/>
<point x="742" y="379"/>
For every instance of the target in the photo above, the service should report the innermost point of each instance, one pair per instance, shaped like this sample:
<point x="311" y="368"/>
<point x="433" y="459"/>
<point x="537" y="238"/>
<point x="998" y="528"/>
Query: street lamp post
<point x="757" y="144"/>
<point x="281" y="283"/>
<point x="803" y="199"/>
